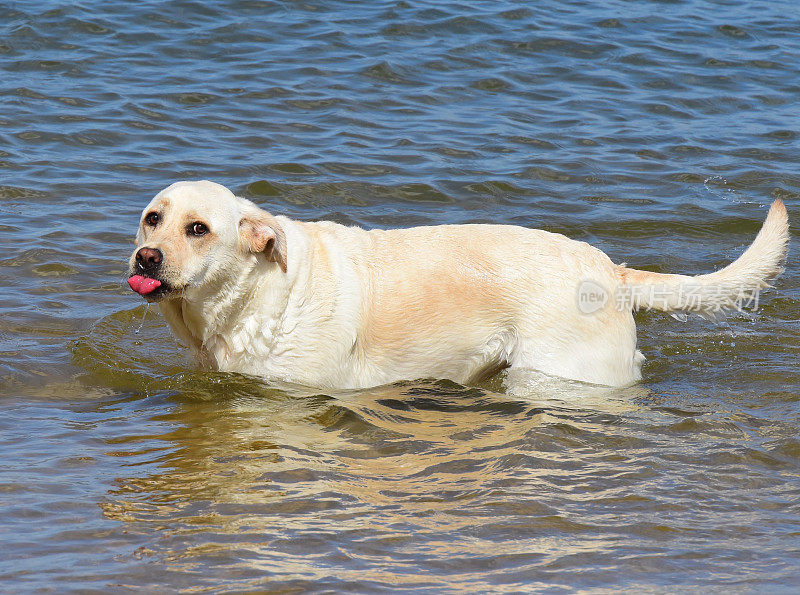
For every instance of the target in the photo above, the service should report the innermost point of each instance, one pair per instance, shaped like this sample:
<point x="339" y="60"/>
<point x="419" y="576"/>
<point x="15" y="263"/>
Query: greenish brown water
<point x="657" y="131"/>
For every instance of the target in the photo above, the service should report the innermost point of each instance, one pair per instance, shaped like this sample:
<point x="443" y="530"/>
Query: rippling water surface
<point x="658" y="131"/>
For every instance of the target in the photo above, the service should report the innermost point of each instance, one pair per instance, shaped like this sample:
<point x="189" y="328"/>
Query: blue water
<point x="657" y="131"/>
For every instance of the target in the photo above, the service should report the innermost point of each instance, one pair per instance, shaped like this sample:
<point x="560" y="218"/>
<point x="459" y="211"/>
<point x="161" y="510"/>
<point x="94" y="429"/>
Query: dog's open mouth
<point x="143" y="285"/>
<point x="148" y="287"/>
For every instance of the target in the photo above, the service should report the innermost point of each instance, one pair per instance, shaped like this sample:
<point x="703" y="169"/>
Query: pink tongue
<point x="143" y="285"/>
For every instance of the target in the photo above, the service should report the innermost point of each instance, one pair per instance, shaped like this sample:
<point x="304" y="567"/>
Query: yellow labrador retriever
<point x="326" y="305"/>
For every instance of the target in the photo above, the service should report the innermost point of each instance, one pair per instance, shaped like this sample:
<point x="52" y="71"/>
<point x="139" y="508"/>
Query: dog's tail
<point x="735" y="286"/>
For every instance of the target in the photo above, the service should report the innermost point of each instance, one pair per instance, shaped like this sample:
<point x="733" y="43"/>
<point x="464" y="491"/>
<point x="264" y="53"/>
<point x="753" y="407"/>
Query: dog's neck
<point x="202" y="321"/>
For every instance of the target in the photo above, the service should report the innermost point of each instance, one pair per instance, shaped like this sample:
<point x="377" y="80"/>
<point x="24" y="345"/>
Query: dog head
<point x="194" y="237"/>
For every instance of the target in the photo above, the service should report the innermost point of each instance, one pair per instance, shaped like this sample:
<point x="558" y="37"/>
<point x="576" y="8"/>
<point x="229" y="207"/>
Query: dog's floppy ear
<point x="261" y="232"/>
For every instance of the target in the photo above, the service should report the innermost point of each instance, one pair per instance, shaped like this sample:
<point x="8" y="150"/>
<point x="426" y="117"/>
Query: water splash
<point x="719" y="187"/>
<point x="144" y="317"/>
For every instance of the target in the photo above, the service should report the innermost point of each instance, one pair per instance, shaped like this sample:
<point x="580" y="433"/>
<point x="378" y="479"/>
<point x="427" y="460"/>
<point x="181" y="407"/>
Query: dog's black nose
<point x="149" y="258"/>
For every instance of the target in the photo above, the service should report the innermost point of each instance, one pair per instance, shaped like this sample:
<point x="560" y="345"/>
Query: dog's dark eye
<point x="152" y="218"/>
<point x="198" y="229"/>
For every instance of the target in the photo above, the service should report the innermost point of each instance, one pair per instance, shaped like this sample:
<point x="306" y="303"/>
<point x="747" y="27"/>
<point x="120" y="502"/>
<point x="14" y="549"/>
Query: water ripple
<point x="658" y="136"/>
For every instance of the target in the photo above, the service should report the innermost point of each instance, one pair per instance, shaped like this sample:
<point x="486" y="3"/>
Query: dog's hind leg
<point x="595" y="353"/>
